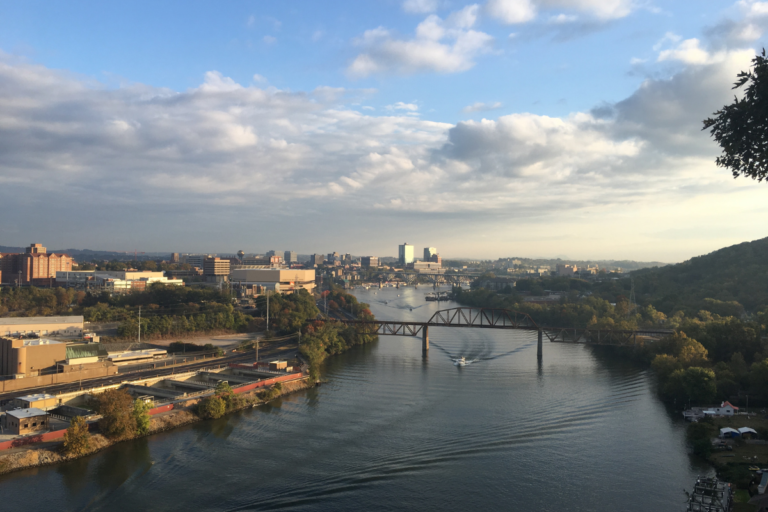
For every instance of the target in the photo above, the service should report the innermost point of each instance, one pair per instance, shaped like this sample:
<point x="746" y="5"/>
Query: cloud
<point x="420" y="6"/>
<point x="270" y="40"/>
<point x="749" y="27"/>
<point x="258" y="78"/>
<point x="448" y="46"/>
<point x="690" y="51"/>
<point x="481" y="107"/>
<point x="223" y="150"/>
<point x="523" y="11"/>
<point x="403" y="106"/>
<point x="511" y="11"/>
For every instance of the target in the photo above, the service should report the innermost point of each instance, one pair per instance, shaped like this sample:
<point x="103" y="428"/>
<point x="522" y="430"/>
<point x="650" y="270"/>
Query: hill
<point x="713" y="282"/>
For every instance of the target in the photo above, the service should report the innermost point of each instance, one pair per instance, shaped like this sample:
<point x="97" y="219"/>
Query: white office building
<point x="405" y="254"/>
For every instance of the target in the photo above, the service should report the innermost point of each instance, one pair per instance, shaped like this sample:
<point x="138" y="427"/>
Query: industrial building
<point x="276" y="280"/>
<point x="26" y="421"/>
<point x="42" y="326"/>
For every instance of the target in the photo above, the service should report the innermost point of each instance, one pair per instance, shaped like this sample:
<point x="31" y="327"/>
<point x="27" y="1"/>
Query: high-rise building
<point x="174" y="257"/>
<point x="215" y="267"/>
<point x="290" y="257"/>
<point x="429" y="252"/>
<point x="369" y="261"/>
<point x="270" y="254"/>
<point x="332" y="256"/>
<point x="35" y="266"/>
<point x="316" y="259"/>
<point x="405" y="254"/>
<point x="347" y="259"/>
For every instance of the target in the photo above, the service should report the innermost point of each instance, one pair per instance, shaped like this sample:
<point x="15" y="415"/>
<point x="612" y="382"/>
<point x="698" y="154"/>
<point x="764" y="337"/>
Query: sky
<point x="533" y="128"/>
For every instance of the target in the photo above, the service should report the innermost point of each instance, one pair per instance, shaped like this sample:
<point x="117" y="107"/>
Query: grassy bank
<point x="38" y="457"/>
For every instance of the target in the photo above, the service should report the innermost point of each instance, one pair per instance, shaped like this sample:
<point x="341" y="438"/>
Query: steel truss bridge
<point x="488" y="318"/>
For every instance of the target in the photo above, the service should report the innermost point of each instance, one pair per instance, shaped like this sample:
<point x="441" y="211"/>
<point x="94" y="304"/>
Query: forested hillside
<point x="711" y="282"/>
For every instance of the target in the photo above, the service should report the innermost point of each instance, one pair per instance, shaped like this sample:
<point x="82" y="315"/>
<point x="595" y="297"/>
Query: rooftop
<point x="18" y="320"/>
<point x="38" y="342"/>
<point x="27" y="413"/>
<point x="35" y="398"/>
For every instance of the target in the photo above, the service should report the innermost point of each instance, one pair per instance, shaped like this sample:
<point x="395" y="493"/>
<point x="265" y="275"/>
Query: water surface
<point x="582" y="431"/>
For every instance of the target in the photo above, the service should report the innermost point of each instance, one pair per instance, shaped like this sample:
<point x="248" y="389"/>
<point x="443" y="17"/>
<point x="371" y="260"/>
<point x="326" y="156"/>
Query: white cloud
<point x="511" y="11"/>
<point x="523" y="11"/>
<point x="691" y="52"/>
<point x="563" y="18"/>
<point x="448" y="46"/>
<point x="258" y="78"/>
<point x="270" y="40"/>
<point x="230" y="151"/>
<point x="420" y="6"/>
<point x="601" y="9"/>
<point x="481" y="107"/>
<point x="441" y="46"/>
<point x="403" y="106"/>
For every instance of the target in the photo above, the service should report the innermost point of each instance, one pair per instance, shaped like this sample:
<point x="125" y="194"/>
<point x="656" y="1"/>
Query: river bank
<point x="30" y="457"/>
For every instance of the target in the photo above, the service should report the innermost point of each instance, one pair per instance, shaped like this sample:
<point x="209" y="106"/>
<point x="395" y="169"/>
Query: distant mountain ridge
<point x="736" y="273"/>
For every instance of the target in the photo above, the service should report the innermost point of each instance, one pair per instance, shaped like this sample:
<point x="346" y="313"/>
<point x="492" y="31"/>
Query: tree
<point x="116" y="409"/>
<point x="141" y="416"/>
<point x="741" y="128"/>
<point x="698" y="385"/>
<point x="212" y="407"/>
<point x="77" y="440"/>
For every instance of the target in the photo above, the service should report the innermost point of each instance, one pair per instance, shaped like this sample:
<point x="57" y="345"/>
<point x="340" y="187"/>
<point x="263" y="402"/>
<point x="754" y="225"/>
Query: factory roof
<point x="19" y="320"/>
<point x="41" y="341"/>
<point x="35" y="398"/>
<point x="27" y="413"/>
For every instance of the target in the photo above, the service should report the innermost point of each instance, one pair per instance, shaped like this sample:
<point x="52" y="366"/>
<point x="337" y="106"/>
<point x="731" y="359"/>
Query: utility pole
<point x="19" y="281"/>
<point x="257" y="352"/>
<point x="139" y="324"/>
<point x="267" y="292"/>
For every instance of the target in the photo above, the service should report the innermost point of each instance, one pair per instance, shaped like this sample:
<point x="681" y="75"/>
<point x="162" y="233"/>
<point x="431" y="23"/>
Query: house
<point x="725" y="409"/>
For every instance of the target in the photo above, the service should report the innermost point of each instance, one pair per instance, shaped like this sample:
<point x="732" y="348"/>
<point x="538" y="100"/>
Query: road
<point x="270" y="351"/>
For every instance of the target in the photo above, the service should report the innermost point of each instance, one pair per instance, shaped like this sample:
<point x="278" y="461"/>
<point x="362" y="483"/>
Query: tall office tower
<point x="429" y="252"/>
<point x="174" y="257"/>
<point x="405" y="254"/>
<point x="291" y="257"/>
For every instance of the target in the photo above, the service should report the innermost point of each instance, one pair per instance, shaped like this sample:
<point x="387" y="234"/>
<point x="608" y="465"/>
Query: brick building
<point x="35" y="266"/>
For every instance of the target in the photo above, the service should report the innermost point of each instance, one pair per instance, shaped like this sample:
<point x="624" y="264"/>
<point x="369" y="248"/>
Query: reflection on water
<point x="578" y="430"/>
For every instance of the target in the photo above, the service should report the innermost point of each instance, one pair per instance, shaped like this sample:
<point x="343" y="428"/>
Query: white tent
<point x="746" y="430"/>
<point x="729" y="432"/>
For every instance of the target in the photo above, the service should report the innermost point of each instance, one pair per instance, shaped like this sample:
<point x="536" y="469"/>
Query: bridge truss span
<point x="491" y="318"/>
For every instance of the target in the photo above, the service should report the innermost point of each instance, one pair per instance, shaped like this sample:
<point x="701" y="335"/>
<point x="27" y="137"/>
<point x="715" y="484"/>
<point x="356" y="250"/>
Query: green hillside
<point x="713" y="282"/>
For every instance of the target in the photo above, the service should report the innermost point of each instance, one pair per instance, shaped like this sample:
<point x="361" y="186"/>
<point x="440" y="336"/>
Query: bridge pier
<point x="425" y="339"/>
<point x="539" y="347"/>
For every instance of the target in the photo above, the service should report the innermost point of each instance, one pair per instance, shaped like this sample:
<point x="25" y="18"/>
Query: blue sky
<point x="533" y="127"/>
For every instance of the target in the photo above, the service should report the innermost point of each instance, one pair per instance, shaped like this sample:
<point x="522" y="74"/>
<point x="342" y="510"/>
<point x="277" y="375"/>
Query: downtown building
<point x="405" y="254"/>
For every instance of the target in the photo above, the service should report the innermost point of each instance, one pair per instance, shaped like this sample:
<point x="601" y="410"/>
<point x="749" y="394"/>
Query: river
<point x="390" y="430"/>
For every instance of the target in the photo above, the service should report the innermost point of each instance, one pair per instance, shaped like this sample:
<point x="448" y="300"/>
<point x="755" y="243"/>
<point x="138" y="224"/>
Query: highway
<point x="236" y="357"/>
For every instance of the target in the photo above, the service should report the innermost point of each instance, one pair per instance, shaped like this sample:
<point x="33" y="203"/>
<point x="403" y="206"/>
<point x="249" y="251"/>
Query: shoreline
<point x="48" y="456"/>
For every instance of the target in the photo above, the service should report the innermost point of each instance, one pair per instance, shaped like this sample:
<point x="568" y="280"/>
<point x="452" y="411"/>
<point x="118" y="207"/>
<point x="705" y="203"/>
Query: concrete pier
<point x="425" y="339"/>
<point x="539" y="347"/>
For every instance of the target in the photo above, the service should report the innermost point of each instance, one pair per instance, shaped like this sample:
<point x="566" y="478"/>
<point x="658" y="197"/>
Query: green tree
<point x="741" y="128"/>
<point x="77" y="439"/>
<point x="212" y="407"/>
<point x="665" y="365"/>
<point x="699" y="385"/>
<point x="141" y="416"/>
<point x="116" y="409"/>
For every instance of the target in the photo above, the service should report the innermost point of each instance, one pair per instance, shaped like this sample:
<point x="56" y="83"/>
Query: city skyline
<point x="193" y="129"/>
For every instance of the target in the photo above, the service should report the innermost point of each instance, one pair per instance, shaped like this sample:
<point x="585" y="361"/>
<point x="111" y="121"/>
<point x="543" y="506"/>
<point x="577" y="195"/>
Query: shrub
<point x="77" y="439"/>
<point x="211" y="408"/>
<point x="141" y="417"/>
